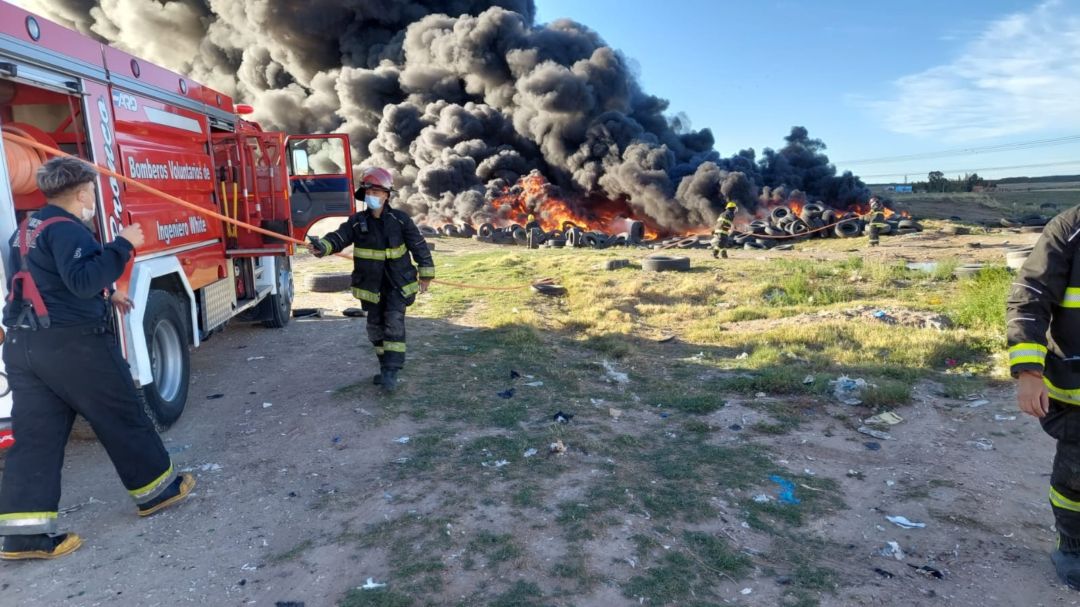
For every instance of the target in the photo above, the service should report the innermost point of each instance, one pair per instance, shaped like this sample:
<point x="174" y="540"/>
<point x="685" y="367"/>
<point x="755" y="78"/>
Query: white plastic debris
<point x="402" y="440"/>
<point x="614" y="375"/>
<point x="267" y="405"/>
<point x="890" y="483"/>
<point x="746" y="591"/>
<point x="809" y="379"/>
<point x="847" y="390"/>
<point x="982" y="444"/>
<point x="887" y="418"/>
<point x="762" y="498"/>
<point x="902" y="521"/>
<point x="743" y="356"/>
<point x="761" y="395"/>
<point x="535" y="384"/>
<point x="249" y="567"/>
<point x="893" y="549"/>
<point x="371" y="584"/>
<point x="978" y="403"/>
<point x="251" y="358"/>
<point x="529" y="453"/>
<point x="1004" y="418"/>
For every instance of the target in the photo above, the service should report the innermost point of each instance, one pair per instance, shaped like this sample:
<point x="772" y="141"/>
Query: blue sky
<point x="872" y="79"/>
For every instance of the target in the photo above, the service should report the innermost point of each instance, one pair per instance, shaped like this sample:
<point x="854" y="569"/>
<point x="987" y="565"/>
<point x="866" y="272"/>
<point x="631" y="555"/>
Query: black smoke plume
<point x="460" y="98"/>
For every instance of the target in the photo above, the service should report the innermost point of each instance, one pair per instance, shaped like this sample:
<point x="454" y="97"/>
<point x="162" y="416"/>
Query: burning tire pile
<point x="782" y="226"/>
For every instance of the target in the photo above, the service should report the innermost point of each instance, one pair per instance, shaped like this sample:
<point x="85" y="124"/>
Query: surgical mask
<point x="373" y="202"/>
<point x="87" y="214"/>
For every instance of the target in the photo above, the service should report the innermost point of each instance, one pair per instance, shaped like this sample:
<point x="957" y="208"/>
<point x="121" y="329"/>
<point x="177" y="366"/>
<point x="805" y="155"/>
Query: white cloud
<point x="1020" y="75"/>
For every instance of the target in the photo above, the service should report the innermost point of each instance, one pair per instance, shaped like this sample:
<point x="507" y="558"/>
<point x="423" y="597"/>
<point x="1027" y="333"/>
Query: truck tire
<point x="664" y="263"/>
<point x="166" y="330"/>
<point x="330" y="283"/>
<point x="277" y="309"/>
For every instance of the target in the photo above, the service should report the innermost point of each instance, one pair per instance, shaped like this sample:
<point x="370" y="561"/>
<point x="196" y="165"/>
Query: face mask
<point x="373" y="202"/>
<point x="88" y="213"/>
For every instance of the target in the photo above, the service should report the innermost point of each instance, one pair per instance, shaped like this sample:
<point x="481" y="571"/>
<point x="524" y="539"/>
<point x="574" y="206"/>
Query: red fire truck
<point x="195" y="273"/>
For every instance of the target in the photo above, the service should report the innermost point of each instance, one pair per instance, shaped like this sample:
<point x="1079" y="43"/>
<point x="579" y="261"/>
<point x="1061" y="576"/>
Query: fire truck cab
<point x="195" y="273"/>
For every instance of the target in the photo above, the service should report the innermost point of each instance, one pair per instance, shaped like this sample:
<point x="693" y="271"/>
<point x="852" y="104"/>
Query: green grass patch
<point x="980" y="303"/>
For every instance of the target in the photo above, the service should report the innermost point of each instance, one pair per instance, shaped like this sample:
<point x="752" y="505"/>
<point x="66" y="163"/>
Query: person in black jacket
<point x="62" y="358"/>
<point x="384" y="278"/>
<point x="725" y="227"/>
<point x="1043" y="329"/>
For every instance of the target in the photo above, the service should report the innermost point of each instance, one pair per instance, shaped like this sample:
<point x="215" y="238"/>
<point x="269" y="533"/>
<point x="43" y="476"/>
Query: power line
<point x="1002" y="147"/>
<point x="1008" y="168"/>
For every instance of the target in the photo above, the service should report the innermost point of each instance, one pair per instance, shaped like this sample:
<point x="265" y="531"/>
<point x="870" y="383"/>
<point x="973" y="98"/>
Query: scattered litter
<point x="402" y="440"/>
<point x="734" y="427"/>
<point x="175" y="449"/>
<point x="872" y="446"/>
<point x="902" y="521"/>
<point x="787" y="493"/>
<point x="249" y="567"/>
<point x="613" y="375"/>
<point x="1004" y="418"/>
<point x="71" y="509"/>
<point x="982" y="444"/>
<point x="286" y="603"/>
<point x="215" y="396"/>
<point x="978" y="403"/>
<point x="887" y="418"/>
<point x="557" y="447"/>
<point x="507" y="394"/>
<point x="497" y="464"/>
<point x="884" y="317"/>
<point x="762" y="498"/>
<point x="892" y="549"/>
<point x="596" y="402"/>
<point x="529" y="453"/>
<point x="614" y="413"/>
<point x="808" y="472"/>
<point x="371" y="584"/>
<point x="809" y="379"/>
<point x="401" y="460"/>
<point x="784" y="580"/>
<point x="854" y="474"/>
<point x="698" y="356"/>
<point x="251" y="358"/>
<point x="885" y="574"/>
<point x="354" y="313"/>
<point x="743" y="356"/>
<point x="563" y="418"/>
<point x="928" y="571"/>
<point x="847" y="389"/>
<point x="535" y="384"/>
<point x="363" y="412"/>
<point x="890" y="483"/>
<point x="878" y="434"/>
<point x="336" y="440"/>
<point x="267" y="405"/>
<point x="514" y="374"/>
<point x="746" y="591"/>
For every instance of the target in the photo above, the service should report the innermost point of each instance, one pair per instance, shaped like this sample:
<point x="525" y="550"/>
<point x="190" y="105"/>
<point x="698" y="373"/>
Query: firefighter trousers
<point x="55" y="374"/>
<point x="1063" y="424"/>
<point x="873" y="233"/>
<point x="386" y="328"/>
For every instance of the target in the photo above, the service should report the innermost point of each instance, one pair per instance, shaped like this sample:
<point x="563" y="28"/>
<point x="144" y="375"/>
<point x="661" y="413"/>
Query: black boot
<point x="1066" y="560"/>
<point x="39" y="546"/>
<point x="377" y="379"/>
<point x="176" y="492"/>
<point x="389" y="380"/>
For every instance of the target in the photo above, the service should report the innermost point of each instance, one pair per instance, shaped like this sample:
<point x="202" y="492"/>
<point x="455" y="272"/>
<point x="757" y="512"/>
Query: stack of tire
<point x="1015" y="257"/>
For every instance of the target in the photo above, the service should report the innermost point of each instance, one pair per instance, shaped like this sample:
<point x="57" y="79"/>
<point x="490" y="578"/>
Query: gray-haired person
<point x="62" y="358"/>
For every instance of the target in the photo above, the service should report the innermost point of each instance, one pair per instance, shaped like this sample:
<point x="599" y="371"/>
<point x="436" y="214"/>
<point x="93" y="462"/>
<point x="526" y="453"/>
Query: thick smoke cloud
<point x="461" y="98"/>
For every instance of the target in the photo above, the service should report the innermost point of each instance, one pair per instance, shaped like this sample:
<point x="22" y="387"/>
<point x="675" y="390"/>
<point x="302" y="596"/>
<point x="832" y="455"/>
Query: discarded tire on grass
<point x="968" y="270"/>
<point x="555" y="243"/>
<point x="330" y="283"/>
<point x="665" y="263"/>
<point x="548" y="286"/>
<point x="781" y="213"/>
<point x="615" y="264"/>
<point x="486" y="231"/>
<point x="636" y="233"/>
<point x="427" y="230"/>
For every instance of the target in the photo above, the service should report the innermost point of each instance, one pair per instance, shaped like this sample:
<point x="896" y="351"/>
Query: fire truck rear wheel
<point x="278" y="308"/>
<point x="170" y="360"/>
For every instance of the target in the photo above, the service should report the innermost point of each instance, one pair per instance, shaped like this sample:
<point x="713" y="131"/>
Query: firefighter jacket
<point x="1043" y="322"/>
<point x="876" y="217"/>
<point x="381" y="254"/>
<point x="725" y="224"/>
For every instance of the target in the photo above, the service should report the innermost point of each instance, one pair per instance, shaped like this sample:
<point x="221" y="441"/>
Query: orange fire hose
<point x="24" y="141"/>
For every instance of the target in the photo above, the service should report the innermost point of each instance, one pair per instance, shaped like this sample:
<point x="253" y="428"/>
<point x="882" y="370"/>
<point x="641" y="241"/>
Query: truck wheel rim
<point x="166" y="360"/>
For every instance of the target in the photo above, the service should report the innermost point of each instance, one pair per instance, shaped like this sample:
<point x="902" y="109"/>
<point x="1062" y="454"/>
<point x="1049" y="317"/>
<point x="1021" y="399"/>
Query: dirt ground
<point x="286" y="466"/>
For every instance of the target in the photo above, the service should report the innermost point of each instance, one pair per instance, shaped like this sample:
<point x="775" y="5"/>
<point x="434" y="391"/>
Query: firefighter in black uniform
<point x="725" y="226"/>
<point x="384" y="278"/>
<point x="1043" y="326"/>
<point x="876" y="220"/>
<point x="62" y="358"/>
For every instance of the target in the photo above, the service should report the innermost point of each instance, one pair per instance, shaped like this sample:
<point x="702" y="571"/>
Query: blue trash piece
<point x="880" y="314"/>
<point x="507" y="394"/>
<point x="665" y="415"/>
<point x="787" y="493"/>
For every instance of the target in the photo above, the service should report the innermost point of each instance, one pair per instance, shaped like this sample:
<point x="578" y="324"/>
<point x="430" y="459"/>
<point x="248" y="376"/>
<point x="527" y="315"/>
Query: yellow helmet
<point x="731" y="205"/>
<point x="532" y="217"/>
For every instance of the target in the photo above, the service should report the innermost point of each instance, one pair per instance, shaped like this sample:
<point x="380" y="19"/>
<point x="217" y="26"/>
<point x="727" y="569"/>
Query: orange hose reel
<point x="23" y="161"/>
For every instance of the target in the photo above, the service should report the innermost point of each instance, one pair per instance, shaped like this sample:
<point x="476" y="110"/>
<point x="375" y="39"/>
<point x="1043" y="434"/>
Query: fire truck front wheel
<point x="167" y="342"/>
<point x="277" y="309"/>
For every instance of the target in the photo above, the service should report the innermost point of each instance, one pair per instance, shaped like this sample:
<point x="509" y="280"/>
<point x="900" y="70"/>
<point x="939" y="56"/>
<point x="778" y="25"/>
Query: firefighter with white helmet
<point x="385" y="241"/>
